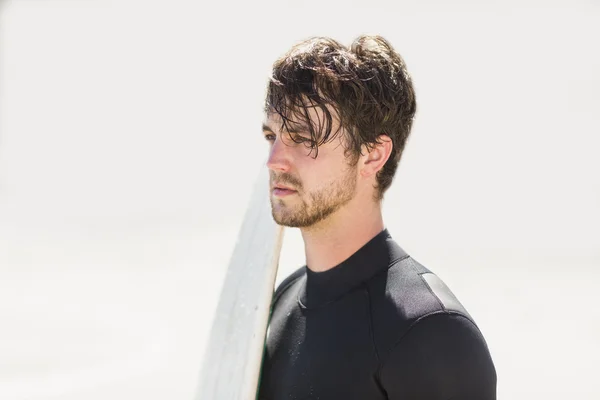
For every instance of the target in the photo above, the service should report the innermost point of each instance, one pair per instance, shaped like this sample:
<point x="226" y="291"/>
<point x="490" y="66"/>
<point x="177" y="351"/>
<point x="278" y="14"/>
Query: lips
<point x="284" y="187"/>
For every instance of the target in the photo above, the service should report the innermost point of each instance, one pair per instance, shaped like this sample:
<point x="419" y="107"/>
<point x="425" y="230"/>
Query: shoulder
<point x="287" y="283"/>
<point x="428" y="344"/>
<point x="414" y="288"/>
<point x="443" y="355"/>
<point x="402" y="296"/>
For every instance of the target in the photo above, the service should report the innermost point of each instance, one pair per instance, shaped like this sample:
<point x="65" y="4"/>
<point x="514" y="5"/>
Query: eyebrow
<point x="266" y="128"/>
<point x="291" y="129"/>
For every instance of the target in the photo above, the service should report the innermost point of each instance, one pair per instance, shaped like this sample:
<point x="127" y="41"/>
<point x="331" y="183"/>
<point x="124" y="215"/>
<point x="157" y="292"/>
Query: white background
<point x="130" y="139"/>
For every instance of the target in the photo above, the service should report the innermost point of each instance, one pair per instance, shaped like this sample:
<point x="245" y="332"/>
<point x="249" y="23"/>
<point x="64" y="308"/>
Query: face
<point x="319" y="186"/>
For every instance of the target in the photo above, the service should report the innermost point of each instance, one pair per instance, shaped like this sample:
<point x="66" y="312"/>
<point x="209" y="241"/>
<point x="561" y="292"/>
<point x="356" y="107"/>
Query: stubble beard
<point x="301" y="212"/>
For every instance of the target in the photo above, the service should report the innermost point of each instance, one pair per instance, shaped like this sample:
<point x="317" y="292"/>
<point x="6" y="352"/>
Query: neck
<point x="334" y="240"/>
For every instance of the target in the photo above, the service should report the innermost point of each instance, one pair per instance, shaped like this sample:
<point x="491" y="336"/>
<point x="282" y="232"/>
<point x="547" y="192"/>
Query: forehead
<point x="274" y="123"/>
<point x="301" y="120"/>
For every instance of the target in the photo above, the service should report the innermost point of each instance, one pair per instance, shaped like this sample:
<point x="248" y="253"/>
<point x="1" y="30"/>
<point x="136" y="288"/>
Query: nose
<point x="279" y="157"/>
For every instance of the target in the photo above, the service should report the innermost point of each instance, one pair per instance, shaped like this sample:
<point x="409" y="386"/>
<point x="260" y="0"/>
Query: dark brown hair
<point x="366" y="85"/>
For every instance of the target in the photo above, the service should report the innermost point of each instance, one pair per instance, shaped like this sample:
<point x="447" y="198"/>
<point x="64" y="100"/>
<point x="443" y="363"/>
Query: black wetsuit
<point x="377" y="326"/>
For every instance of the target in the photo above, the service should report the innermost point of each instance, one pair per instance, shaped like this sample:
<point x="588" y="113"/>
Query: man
<point x="362" y="319"/>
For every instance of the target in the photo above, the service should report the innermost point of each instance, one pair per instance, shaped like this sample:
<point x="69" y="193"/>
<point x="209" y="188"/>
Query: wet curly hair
<point x="366" y="85"/>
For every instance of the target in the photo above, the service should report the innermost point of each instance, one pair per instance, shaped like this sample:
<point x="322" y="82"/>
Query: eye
<point x="302" y="139"/>
<point x="270" y="137"/>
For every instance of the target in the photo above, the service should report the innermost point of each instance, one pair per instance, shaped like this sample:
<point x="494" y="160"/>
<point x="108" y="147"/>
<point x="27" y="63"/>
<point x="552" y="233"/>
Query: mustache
<point x="287" y="179"/>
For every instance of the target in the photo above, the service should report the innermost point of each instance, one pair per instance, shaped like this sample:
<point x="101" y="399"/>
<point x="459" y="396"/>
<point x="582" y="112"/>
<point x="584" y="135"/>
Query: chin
<point x="289" y="221"/>
<point x="295" y="221"/>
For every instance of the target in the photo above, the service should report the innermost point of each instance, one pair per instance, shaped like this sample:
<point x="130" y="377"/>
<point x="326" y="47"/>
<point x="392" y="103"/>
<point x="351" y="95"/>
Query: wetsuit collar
<point x="375" y="256"/>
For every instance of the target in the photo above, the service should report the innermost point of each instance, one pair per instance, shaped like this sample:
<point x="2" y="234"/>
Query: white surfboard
<point x="233" y="356"/>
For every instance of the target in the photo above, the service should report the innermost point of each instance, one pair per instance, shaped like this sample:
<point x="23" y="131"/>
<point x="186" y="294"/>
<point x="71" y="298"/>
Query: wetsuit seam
<point x="371" y="325"/>
<point x="431" y="314"/>
<point x="283" y="290"/>
<point x="393" y="262"/>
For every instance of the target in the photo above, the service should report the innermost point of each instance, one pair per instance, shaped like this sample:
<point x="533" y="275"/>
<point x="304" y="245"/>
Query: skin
<point x="334" y="204"/>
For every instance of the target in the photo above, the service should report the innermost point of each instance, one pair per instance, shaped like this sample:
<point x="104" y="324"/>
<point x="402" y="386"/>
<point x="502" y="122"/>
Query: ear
<point x="374" y="160"/>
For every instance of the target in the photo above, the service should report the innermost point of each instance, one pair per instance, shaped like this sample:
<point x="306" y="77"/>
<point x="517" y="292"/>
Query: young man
<point x="362" y="319"/>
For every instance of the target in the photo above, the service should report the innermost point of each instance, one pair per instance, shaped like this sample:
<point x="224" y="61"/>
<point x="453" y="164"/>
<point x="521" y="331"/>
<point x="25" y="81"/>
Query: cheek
<point x="322" y="175"/>
<point x="323" y="171"/>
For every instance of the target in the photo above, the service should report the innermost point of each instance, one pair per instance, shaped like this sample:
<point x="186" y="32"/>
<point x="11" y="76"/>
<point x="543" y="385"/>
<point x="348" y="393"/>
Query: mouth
<point x="282" y="190"/>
